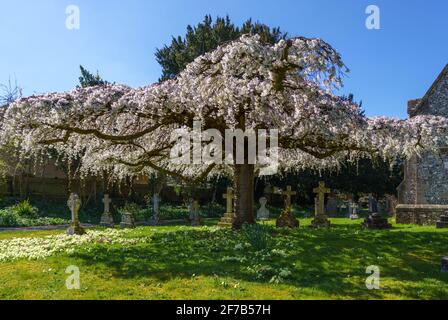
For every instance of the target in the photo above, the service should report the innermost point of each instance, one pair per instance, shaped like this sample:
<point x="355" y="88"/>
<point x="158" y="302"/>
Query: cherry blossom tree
<point x="246" y="84"/>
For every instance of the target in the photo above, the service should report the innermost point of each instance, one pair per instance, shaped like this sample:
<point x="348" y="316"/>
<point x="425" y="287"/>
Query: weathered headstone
<point x="155" y="209"/>
<point x="443" y="221"/>
<point x="263" y="212"/>
<point x="190" y="210"/>
<point x="127" y="220"/>
<point x="444" y="264"/>
<point x="320" y="219"/>
<point x="229" y="215"/>
<point x="373" y="204"/>
<point x="286" y="218"/>
<point x="74" y="203"/>
<point x="349" y="208"/>
<point x="197" y="221"/>
<point x="375" y="221"/>
<point x="107" y="219"/>
<point x="332" y="206"/>
<point x="355" y="210"/>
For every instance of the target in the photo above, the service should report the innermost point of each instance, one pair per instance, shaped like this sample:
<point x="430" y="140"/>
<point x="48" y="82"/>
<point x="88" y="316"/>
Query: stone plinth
<point x="320" y="221"/>
<point x="75" y="229"/>
<point x="227" y="220"/>
<point x="421" y="214"/>
<point x="287" y="220"/>
<point x="375" y="221"/>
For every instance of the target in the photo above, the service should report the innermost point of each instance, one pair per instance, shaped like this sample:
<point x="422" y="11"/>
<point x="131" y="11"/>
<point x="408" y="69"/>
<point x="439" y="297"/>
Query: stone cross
<point x="321" y="191"/>
<point x="74" y="203"/>
<point x="106" y="201"/>
<point x="229" y="197"/>
<point x="106" y="219"/>
<point x="288" y="193"/>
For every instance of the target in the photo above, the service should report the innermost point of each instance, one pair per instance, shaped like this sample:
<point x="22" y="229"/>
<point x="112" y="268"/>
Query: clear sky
<point x="119" y="37"/>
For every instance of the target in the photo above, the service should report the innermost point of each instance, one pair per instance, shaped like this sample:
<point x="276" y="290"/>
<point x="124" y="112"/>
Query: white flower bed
<point x="38" y="248"/>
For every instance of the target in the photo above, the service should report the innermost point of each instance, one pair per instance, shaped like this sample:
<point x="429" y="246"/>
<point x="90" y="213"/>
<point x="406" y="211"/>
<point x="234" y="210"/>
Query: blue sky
<point x="119" y="37"/>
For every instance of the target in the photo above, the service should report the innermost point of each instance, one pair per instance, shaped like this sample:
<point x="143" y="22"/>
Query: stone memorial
<point x="197" y="219"/>
<point x="355" y="210"/>
<point x="229" y="215"/>
<point x="373" y="204"/>
<point x="444" y="264"/>
<point x="443" y="221"/>
<point x="74" y="203"/>
<point x="320" y="219"/>
<point x="286" y="218"/>
<point x="376" y="221"/>
<point x="107" y="219"/>
<point x="331" y="207"/>
<point x="263" y="212"/>
<point x="155" y="209"/>
<point x="127" y="220"/>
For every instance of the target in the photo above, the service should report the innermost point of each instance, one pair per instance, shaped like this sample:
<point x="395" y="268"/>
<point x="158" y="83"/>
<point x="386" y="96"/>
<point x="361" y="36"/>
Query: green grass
<point x="204" y="263"/>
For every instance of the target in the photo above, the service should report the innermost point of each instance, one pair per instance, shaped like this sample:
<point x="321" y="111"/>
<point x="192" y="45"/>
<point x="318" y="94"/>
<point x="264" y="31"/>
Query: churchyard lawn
<point x="178" y="262"/>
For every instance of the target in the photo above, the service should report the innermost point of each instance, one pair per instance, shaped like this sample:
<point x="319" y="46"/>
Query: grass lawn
<point x="177" y="262"/>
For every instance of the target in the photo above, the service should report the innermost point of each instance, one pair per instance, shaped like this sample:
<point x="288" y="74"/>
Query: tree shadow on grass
<point x="332" y="261"/>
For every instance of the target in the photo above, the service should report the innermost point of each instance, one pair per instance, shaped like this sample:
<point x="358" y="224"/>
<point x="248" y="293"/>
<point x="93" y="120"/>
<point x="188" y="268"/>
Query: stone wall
<point x="423" y="194"/>
<point x="421" y="214"/>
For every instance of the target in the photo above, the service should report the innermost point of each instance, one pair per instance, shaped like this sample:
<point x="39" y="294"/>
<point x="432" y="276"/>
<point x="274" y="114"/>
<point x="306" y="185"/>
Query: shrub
<point x="257" y="235"/>
<point x="25" y="209"/>
<point x="9" y="218"/>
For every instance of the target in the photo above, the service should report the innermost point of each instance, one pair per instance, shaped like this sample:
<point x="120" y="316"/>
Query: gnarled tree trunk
<point x="244" y="194"/>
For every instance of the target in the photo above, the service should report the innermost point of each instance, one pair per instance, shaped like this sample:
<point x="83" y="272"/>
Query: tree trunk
<point x="244" y="194"/>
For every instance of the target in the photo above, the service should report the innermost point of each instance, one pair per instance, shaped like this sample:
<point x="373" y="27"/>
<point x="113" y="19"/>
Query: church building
<point x="423" y="194"/>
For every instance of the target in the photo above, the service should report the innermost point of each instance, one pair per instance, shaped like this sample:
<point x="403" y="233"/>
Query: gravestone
<point x="375" y="221"/>
<point x="190" y="210"/>
<point x="127" y="220"/>
<point x="74" y="203"/>
<point x="349" y="208"/>
<point x="263" y="212"/>
<point x="332" y="206"/>
<point x="286" y="218"/>
<point x="320" y="219"/>
<point x="229" y="215"/>
<point x="355" y="210"/>
<point x="197" y="220"/>
<point x="107" y="219"/>
<point x="373" y="204"/>
<point x="155" y="209"/>
<point x="443" y="221"/>
<point x="444" y="264"/>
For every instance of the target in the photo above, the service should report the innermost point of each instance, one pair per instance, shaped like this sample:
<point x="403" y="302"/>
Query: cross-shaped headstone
<point x="74" y="203"/>
<point x="321" y="191"/>
<point x="229" y="197"/>
<point x="288" y="193"/>
<point x="107" y="201"/>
